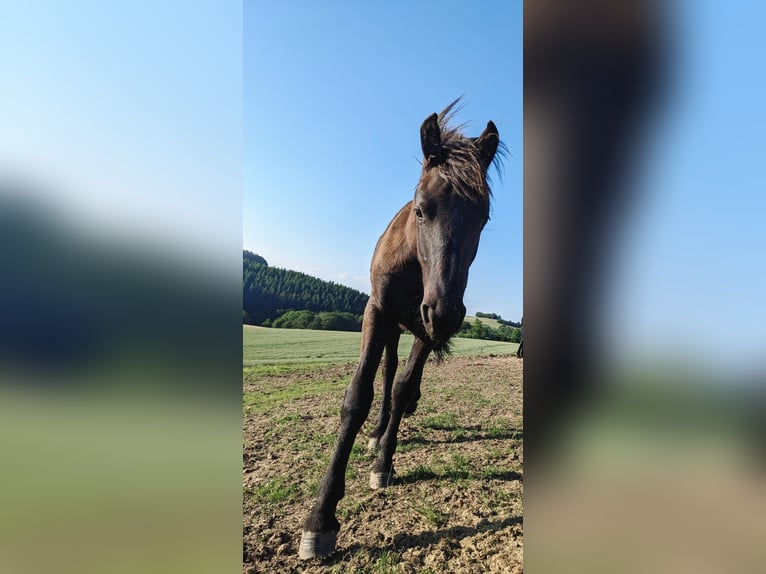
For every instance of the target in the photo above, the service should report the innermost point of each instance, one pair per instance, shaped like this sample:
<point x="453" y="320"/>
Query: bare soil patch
<point x="457" y="503"/>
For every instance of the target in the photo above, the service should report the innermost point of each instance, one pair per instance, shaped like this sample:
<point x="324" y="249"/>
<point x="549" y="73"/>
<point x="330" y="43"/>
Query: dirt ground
<point x="456" y="505"/>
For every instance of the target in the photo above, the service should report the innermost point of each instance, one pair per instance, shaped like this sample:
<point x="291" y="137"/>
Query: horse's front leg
<point x="413" y="404"/>
<point x="320" y="530"/>
<point x="389" y="372"/>
<point x="405" y="389"/>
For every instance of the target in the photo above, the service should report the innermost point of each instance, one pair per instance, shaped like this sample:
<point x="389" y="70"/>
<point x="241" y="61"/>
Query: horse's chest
<point x="400" y="292"/>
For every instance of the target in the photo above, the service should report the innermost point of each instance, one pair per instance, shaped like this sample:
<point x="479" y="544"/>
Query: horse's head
<point x="451" y="207"/>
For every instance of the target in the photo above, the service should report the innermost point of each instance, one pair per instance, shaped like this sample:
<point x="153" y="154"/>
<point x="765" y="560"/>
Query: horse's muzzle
<point x="441" y="319"/>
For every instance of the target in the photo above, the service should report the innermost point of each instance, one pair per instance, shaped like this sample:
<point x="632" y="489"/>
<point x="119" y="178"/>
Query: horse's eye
<point x="418" y="213"/>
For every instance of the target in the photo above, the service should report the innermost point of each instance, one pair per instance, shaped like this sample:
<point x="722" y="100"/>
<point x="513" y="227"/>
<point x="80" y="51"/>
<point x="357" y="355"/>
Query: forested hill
<point x="269" y="292"/>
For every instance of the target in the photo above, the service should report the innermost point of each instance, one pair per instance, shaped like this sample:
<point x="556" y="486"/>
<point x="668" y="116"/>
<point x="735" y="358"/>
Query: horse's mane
<point x="462" y="166"/>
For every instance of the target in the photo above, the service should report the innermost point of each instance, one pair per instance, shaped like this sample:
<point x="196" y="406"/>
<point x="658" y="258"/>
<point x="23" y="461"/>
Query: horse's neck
<point x="397" y="247"/>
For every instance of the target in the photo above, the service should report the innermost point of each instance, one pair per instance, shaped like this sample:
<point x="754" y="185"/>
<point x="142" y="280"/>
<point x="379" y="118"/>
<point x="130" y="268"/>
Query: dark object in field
<point x="419" y="273"/>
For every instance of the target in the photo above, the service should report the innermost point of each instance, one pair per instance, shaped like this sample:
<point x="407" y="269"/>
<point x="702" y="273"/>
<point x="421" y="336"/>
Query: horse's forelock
<point x="462" y="166"/>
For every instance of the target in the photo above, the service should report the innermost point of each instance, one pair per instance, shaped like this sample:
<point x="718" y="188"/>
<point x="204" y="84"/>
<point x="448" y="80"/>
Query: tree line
<point x="479" y="330"/>
<point x="269" y="293"/>
<point x="499" y="319"/>
<point x="322" y="321"/>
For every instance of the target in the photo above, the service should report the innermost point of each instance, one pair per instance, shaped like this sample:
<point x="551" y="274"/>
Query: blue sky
<point x="334" y="97"/>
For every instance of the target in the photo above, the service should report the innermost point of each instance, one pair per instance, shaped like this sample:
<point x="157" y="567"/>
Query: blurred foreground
<point x="120" y="295"/>
<point x="644" y="432"/>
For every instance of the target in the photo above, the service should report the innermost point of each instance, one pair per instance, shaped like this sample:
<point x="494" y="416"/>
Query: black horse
<point x="419" y="273"/>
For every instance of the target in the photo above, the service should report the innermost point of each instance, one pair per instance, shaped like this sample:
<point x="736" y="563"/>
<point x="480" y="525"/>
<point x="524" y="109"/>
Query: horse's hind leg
<point x="320" y="529"/>
<point x="389" y="371"/>
<point x="405" y="388"/>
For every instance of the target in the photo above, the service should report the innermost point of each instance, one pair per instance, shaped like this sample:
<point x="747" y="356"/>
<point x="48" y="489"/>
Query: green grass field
<point x="457" y="498"/>
<point x="262" y="346"/>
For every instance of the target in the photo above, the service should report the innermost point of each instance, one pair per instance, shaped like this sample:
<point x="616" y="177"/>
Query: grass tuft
<point x="274" y="491"/>
<point x="433" y="515"/>
<point x="386" y="562"/>
<point x="459" y="468"/>
<point x="444" y="421"/>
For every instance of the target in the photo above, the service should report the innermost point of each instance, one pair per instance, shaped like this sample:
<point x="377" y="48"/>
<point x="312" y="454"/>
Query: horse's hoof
<point x="315" y="544"/>
<point x="372" y="443"/>
<point x="381" y="479"/>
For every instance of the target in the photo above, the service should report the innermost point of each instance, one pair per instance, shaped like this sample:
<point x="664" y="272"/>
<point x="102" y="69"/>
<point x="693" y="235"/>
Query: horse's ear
<point x="431" y="139"/>
<point x="487" y="143"/>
